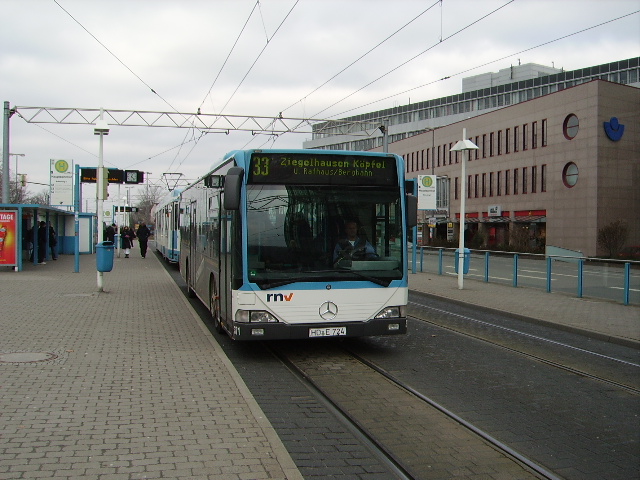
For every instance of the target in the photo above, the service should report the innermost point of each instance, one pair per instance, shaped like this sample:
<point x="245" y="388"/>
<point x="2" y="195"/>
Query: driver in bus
<point x="353" y="247"/>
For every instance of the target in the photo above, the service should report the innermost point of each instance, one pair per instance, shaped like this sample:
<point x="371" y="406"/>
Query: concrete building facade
<point x="480" y="94"/>
<point x="550" y="171"/>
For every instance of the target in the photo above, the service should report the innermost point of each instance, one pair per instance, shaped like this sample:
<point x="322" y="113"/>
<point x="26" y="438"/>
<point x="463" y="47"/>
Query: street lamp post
<point x="463" y="146"/>
<point x="101" y="128"/>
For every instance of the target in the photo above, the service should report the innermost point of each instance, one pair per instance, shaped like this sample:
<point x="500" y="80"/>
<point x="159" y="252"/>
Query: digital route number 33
<point x="261" y="166"/>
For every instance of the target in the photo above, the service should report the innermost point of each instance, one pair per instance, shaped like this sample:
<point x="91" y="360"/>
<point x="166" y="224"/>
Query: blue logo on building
<point x="614" y="129"/>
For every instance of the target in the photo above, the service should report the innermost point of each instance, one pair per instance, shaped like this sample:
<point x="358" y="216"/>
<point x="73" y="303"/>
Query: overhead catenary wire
<point x="476" y="67"/>
<point x="415" y="57"/>
<point x="230" y="53"/>
<point x="115" y="56"/>
<point x="274" y="138"/>
<point x="259" y="55"/>
<point x="362" y="56"/>
<point x="118" y="59"/>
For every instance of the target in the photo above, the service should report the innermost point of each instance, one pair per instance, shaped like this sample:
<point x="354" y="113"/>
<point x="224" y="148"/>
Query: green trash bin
<point x="104" y="256"/>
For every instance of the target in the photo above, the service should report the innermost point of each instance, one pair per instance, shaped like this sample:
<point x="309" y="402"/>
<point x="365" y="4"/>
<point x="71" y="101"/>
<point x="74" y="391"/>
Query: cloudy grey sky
<point x="304" y="58"/>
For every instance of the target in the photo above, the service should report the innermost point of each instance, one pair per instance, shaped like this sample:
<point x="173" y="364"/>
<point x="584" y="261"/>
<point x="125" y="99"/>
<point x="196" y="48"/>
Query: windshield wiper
<point x="375" y="280"/>
<point x="276" y="284"/>
<point x="280" y="282"/>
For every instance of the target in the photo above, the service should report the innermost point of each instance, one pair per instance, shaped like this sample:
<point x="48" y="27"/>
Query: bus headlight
<point x="391" y="312"/>
<point x="255" y="316"/>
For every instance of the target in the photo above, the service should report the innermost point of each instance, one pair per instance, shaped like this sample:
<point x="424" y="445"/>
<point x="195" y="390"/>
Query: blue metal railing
<point x="617" y="280"/>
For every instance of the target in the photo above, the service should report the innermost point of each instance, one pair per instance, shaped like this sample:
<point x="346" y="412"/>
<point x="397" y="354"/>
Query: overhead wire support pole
<point x="101" y="128"/>
<point x="5" y="153"/>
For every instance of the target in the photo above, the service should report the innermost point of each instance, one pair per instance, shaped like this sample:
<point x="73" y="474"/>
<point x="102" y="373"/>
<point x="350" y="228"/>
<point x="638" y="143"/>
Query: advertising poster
<point x="8" y="238"/>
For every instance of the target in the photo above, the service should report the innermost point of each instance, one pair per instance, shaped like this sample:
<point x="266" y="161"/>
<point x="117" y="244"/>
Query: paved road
<point x="127" y="383"/>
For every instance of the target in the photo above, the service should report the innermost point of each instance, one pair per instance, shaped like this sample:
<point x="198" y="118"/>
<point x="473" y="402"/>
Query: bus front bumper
<point x="283" y="331"/>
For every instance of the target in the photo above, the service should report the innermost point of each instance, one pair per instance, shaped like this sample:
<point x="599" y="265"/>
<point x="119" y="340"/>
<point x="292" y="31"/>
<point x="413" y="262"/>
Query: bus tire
<point x="214" y="305"/>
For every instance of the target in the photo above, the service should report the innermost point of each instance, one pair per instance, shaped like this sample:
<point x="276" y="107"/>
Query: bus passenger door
<point x="193" y="245"/>
<point x="224" y="288"/>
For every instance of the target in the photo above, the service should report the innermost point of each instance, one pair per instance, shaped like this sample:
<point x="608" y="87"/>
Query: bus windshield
<point x="323" y="233"/>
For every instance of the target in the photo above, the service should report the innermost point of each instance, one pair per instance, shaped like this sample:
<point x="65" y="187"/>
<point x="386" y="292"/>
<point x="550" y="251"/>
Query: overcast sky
<point x="244" y="57"/>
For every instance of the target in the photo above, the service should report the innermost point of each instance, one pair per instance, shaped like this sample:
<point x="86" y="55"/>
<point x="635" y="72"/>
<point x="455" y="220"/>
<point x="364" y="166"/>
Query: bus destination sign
<point x="286" y="168"/>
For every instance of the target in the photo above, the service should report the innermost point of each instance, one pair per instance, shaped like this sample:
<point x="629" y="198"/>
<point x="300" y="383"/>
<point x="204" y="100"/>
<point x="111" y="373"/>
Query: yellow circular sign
<point x="427" y="181"/>
<point x="61" y="166"/>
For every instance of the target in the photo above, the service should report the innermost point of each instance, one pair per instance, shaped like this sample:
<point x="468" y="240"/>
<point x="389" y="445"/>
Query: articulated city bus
<point x="284" y="244"/>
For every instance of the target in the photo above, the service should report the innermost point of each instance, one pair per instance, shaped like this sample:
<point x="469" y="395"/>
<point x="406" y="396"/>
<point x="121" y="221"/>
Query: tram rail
<point x="391" y="415"/>
<point x="625" y="376"/>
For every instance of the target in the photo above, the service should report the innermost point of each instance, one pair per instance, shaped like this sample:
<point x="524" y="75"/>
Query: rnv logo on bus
<point x="279" y="297"/>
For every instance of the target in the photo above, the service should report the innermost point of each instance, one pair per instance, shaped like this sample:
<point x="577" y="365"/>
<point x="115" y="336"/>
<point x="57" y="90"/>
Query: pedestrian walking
<point x="126" y="238"/>
<point x="143" y="235"/>
<point x="110" y="233"/>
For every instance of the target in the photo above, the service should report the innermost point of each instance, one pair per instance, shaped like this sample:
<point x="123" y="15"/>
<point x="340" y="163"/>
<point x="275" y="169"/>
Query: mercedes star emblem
<point x="328" y="310"/>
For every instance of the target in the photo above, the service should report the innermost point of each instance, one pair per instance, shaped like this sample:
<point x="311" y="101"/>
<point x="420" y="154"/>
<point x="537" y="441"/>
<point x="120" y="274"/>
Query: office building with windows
<point x="552" y="168"/>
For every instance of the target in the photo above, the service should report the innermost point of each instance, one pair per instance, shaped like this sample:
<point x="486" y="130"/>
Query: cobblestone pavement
<point x="121" y="384"/>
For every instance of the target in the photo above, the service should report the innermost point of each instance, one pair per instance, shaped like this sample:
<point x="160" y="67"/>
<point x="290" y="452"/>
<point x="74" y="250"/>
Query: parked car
<point x="630" y="253"/>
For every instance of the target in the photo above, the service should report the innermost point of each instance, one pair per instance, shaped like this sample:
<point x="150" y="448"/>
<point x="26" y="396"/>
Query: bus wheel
<point x="214" y="306"/>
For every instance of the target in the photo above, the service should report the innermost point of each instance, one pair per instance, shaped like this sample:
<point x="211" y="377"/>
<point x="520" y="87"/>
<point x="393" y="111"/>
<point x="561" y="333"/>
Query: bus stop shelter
<point x="19" y="233"/>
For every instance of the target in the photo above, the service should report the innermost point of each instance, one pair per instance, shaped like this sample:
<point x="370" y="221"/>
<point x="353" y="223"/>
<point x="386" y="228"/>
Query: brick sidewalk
<point x="123" y="384"/>
<point x="602" y="319"/>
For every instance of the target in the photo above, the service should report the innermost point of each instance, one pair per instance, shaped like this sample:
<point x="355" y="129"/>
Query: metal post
<point x="5" y="154"/>
<point x="486" y="266"/>
<point x="463" y="198"/>
<point x="101" y="182"/>
<point x="385" y="135"/>
<point x="462" y="146"/>
<point x="76" y="217"/>
<point x="627" y="282"/>
<point x="580" y="277"/>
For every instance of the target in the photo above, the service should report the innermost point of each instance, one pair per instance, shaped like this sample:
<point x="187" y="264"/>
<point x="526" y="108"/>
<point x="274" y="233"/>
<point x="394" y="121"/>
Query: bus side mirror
<point x="411" y="202"/>
<point x="232" y="186"/>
